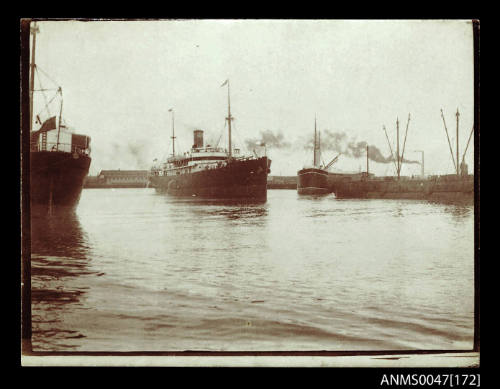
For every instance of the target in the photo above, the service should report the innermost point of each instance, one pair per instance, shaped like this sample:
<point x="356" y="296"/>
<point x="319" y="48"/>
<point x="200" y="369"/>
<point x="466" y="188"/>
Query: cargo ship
<point x="59" y="158"/>
<point x="210" y="171"/>
<point x="313" y="180"/>
<point x="450" y="187"/>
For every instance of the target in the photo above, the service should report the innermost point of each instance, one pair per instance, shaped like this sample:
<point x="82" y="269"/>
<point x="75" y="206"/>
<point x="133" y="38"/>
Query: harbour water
<point x="132" y="270"/>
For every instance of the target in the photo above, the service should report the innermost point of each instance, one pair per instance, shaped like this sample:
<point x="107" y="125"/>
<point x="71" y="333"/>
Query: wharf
<point x="282" y="182"/>
<point x="434" y="188"/>
<point x="118" y="179"/>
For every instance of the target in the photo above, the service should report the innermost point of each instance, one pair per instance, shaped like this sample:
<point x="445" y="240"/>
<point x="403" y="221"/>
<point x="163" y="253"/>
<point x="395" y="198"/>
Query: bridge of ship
<point x="65" y="141"/>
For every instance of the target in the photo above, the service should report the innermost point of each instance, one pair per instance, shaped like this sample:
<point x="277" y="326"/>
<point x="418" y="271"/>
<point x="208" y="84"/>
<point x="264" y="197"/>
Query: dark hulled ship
<point x="313" y="180"/>
<point x="212" y="172"/>
<point x="59" y="158"/>
<point x="450" y="187"/>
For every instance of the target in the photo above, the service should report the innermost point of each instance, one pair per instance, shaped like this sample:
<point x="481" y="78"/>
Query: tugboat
<point x="313" y="180"/>
<point x="59" y="158"/>
<point x="212" y="172"/>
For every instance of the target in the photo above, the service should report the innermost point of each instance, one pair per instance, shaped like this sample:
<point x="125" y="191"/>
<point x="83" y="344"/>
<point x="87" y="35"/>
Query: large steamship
<point x="313" y="180"/>
<point x="59" y="158"/>
<point x="212" y="172"/>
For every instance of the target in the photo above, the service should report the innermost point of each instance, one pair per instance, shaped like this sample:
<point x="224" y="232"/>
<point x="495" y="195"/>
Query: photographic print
<point x="250" y="187"/>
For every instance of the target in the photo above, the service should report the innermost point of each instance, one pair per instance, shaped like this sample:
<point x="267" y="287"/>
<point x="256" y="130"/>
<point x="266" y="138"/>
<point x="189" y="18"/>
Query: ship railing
<point x="61" y="147"/>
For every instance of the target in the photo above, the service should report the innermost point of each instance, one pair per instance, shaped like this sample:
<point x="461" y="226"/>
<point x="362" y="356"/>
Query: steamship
<point x="212" y="172"/>
<point x="59" y="158"/>
<point x="313" y="180"/>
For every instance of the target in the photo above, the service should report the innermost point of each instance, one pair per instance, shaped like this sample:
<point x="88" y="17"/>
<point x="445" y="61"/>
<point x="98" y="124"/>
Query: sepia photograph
<point x="249" y="192"/>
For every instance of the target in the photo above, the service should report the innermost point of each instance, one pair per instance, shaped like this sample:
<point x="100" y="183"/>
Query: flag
<point x="49" y="124"/>
<point x="263" y="143"/>
<point x="224" y="83"/>
<point x="170" y="110"/>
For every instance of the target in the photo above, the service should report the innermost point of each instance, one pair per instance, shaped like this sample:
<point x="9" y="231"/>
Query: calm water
<point x="132" y="270"/>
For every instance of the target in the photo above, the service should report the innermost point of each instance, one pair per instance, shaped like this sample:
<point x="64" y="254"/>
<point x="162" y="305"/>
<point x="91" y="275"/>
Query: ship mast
<point x="60" y="117"/>
<point x="397" y="146"/>
<point x="404" y="143"/>
<point x="229" y="118"/>
<point x="458" y="167"/>
<point x="319" y="147"/>
<point x="173" y="133"/>
<point x="390" y="148"/>
<point x="367" y="164"/>
<point x="33" y="31"/>
<point x="315" y="142"/>
<point x="449" y="143"/>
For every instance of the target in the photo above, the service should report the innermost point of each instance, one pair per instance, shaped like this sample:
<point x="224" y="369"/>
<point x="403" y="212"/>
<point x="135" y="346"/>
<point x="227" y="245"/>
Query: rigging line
<point x="449" y="144"/>
<point x="49" y="103"/>
<point x="237" y="133"/>
<point x="221" y="134"/>
<point x="404" y="143"/>
<point x="470" y="137"/>
<point x="43" y="93"/>
<point x="390" y="148"/>
<point x="44" y="90"/>
<point x="55" y="83"/>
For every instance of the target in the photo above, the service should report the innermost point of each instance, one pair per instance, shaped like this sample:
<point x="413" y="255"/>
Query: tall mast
<point x="466" y="147"/>
<point x="315" y="142"/>
<point x="390" y="148"/>
<point x="449" y="143"/>
<point x="33" y="31"/>
<point x="458" y="167"/>
<point x="367" y="165"/>
<point x="319" y="147"/>
<point x="59" y="124"/>
<point x="397" y="146"/>
<point x="173" y="133"/>
<point x="404" y="143"/>
<point x="229" y="119"/>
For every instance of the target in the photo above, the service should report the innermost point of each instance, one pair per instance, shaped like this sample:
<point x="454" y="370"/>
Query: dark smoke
<point x="269" y="139"/>
<point x="338" y="142"/>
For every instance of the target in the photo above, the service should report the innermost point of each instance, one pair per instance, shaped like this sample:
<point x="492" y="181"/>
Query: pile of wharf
<point x="282" y="182"/>
<point x="118" y="179"/>
<point x="449" y="187"/>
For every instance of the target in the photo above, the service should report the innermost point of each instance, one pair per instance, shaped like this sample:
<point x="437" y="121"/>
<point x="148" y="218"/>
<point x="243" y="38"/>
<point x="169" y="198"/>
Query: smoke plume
<point x="269" y="139"/>
<point x="340" y="143"/>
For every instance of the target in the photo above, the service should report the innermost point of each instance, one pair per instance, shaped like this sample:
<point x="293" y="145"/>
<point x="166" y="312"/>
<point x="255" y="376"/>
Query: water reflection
<point x="58" y="234"/>
<point x="230" y="209"/>
<point x="209" y="201"/>
<point x="59" y="259"/>
<point x="458" y="211"/>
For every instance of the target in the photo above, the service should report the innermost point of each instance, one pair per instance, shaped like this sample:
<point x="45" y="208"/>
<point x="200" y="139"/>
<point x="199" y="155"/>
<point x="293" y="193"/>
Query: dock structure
<point x="118" y="179"/>
<point x="282" y="182"/>
<point x="434" y="188"/>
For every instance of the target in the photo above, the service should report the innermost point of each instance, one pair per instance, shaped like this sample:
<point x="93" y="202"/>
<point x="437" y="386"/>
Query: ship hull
<point x="56" y="178"/>
<point x="439" y="189"/>
<point x="240" y="179"/>
<point x="312" y="181"/>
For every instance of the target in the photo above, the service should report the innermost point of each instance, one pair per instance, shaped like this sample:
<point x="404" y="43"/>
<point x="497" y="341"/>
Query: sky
<point x="120" y="78"/>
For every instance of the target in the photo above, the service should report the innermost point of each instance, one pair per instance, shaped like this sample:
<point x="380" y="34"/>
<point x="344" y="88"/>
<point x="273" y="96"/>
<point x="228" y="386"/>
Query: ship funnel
<point x="198" y="139"/>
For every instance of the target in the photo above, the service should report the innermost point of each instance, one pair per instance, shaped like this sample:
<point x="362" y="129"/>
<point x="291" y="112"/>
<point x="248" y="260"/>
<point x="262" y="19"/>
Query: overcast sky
<point x="120" y="78"/>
